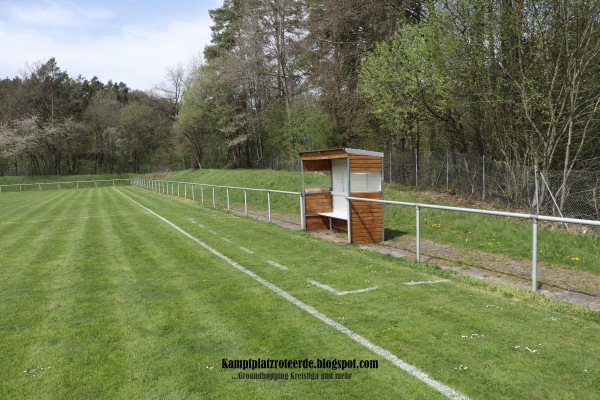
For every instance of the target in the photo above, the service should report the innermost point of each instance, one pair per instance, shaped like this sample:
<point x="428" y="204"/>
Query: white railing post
<point x="269" y="203"/>
<point x="418" y="234"/>
<point x="213" y="190"/>
<point x="193" y="193"/>
<point x="534" y="251"/>
<point x="302" y="212"/>
<point x="228" y="199"/>
<point x="245" y="202"/>
<point x="185" y="191"/>
<point x="202" y="192"/>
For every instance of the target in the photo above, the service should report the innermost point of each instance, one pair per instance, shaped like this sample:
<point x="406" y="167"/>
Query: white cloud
<point x="53" y="14"/>
<point x="135" y="54"/>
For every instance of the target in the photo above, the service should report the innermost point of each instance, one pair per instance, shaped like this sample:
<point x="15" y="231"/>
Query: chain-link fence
<point x="480" y="178"/>
<point x="574" y="195"/>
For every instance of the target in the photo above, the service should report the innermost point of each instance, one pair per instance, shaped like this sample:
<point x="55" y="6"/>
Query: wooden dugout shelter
<point x="356" y="173"/>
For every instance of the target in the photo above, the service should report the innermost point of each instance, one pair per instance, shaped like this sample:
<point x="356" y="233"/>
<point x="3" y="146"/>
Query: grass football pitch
<point x="120" y="293"/>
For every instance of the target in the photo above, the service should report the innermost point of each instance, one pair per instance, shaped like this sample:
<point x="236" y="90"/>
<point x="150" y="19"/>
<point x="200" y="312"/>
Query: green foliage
<point x="55" y="124"/>
<point x="305" y="128"/>
<point x="202" y="117"/>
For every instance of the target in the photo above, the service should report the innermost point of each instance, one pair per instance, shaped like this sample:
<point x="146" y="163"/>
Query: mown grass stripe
<point x="412" y="370"/>
<point x="39" y="268"/>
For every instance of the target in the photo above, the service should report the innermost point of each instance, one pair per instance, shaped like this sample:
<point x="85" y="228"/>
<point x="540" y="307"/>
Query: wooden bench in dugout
<point x="358" y="173"/>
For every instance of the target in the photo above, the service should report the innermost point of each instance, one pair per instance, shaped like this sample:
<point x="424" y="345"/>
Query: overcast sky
<point x="131" y="41"/>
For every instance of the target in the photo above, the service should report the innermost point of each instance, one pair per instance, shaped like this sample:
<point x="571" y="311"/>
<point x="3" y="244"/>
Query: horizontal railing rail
<point x="175" y="187"/>
<point x="534" y="217"/>
<point x="58" y="184"/>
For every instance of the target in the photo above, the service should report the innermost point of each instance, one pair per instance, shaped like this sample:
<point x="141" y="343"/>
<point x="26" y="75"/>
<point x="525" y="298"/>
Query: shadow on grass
<point x="393" y="233"/>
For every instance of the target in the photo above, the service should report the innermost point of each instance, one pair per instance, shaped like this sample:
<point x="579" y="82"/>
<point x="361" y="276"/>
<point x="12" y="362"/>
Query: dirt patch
<point x="564" y="283"/>
<point x="568" y="284"/>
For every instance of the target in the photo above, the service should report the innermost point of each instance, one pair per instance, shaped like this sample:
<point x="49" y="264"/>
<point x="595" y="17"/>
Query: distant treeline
<point x="517" y="81"/>
<point x="51" y="123"/>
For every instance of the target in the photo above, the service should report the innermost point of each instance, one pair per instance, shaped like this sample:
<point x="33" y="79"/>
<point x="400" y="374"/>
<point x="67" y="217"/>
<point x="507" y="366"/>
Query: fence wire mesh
<point x="479" y="178"/>
<point x="576" y="194"/>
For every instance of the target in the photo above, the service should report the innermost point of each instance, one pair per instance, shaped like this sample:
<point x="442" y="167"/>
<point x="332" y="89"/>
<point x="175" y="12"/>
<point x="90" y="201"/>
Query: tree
<point x="141" y="132"/>
<point x="200" y="117"/>
<point x="102" y="120"/>
<point x="342" y="33"/>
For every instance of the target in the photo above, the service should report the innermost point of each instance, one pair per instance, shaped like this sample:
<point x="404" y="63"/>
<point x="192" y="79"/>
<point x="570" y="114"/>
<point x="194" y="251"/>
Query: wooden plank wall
<point x="340" y="225"/>
<point x="367" y="218"/>
<point x="324" y="154"/>
<point x="317" y="203"/>
<point x="360" y="163"/>
<point x="317" y="165"/>
<point x="317" y="223"/>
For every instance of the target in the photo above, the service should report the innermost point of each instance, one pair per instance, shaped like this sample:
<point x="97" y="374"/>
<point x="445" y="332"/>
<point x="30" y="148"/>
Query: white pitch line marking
<point x="221" y="216"/>
<point x="337" y="292"/>
<point x="213" y="232"/>
<point x="410" y="369"/>
<point x="411" y="283"/>
<point x="277" y="265"/>
<point x="246" y="250"/>
<point x="201" y="226"/>
<point x="226" y="240"/>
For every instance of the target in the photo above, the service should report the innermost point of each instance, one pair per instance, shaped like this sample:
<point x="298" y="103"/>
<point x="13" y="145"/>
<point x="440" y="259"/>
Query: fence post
<point x="534" y="256"/>
<point x="245" y="202"/>
<point x="177" y="189"/>
<point x="202" y="192"/>
<point x="77" y="185"/>
<point x="537" y="195"/>
<point x="228" y="198"/>
<point x="269" y="203"/>
<point x="193" y="194"/>
<point x="483" y="170"/>
<point x="447" y="169"/>
<point x="185" y="190"/>
<point x="113" y="182"/>
<point x="21" y="187"/>
<point x="418" y="209"/>
<point x="214" y="204"/>
<point x="39" y="187"/>
<point x="416" y="168"/>
<point x="390" y="178"/>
